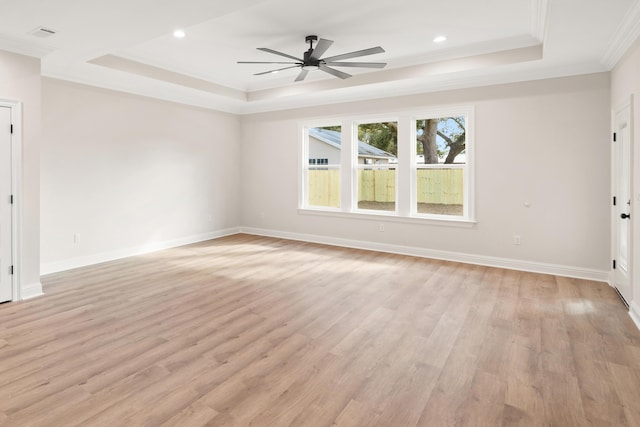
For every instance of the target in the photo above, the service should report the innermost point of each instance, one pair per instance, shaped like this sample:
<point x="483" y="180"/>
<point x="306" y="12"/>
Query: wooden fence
<point x="324" y="188"/>
<point x="377" y="185"/>
<point x="441" y="186"/>
<point x="436" y="186"/>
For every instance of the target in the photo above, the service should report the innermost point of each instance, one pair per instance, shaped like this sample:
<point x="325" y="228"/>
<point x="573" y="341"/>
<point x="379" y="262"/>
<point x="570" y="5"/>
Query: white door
<point x="6" y="226"/>
<point x="623" y="202"/>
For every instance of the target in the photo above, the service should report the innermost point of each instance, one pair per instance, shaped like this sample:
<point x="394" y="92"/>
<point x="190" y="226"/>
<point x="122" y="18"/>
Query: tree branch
<point x="457" y="120"/>
<point x="445" y="137"/>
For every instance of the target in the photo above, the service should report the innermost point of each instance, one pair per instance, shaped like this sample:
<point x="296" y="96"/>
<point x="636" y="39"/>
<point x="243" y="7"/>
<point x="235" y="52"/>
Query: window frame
<point x="468" y="178"/>
<point x="406" y="168"/>
<point x="356" y="166"/>
<point x="303" y="176"/>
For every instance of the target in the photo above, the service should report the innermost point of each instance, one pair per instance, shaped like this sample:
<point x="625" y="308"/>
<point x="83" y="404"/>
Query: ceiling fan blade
<point x="321" y="48"/>
<point x="275" y="52"/>
<point x="334" y="72"/>
<point x="357" y="64"/>
<point x="364" y="52"/>
<point x="301" y="76"/>
<point x="275" y="71"/>
<point x="259" y="62"/>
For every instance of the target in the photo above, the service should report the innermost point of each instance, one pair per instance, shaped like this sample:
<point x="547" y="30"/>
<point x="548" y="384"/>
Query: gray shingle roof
<point x="333" y="138"/>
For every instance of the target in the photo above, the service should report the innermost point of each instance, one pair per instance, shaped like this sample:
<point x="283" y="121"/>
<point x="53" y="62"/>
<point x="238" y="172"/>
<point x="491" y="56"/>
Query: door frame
<point x="615" y="112"/>
<point x="16" y="190"/>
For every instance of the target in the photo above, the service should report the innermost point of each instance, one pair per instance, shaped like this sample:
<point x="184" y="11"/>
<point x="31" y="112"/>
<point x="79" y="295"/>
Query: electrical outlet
<point x="516" y="239"/>
<point x="76" y="238"/>
<point x="381" y="227"/>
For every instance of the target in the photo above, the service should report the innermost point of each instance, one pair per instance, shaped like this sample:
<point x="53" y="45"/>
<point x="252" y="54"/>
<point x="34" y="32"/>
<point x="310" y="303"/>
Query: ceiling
<point x="128" y="45"/>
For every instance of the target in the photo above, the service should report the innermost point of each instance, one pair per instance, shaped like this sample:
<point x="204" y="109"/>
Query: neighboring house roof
<point x="334" y="139"/>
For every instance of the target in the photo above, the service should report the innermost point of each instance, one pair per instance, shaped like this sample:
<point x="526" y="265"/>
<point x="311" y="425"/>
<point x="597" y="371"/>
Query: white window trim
<point x="406" y="201"/>
<point x="440" y="220"/>
<point x="303" y="176"/>
<point x="468" y="167"/>
<point x="355" y="166"/>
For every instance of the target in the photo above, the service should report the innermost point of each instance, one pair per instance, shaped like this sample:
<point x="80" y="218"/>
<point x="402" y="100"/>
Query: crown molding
<point x="538" y="11"/>
<point x="23" y="47"/>
<point x="130" y="66"/>
<point x="627" y="34"/>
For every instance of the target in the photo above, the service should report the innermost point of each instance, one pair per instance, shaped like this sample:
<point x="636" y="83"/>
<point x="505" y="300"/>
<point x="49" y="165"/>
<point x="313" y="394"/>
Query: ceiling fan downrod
<point x="310" y="40"/>
<point x="309" y="63"/>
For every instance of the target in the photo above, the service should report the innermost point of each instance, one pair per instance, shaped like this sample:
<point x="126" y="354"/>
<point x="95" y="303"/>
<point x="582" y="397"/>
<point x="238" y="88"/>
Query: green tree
<point x="436" y="138"/>
<point x="383" y="135"/>
<point x="450" y="129"/>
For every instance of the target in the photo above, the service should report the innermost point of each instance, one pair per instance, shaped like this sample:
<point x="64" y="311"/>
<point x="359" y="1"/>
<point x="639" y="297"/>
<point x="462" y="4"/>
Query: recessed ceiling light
<point x="178" y="34"/>
<point x="440" y="39"/>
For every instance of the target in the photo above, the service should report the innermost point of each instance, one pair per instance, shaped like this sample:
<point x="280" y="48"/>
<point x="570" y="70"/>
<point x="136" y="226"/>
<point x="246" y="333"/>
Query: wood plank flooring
<point x="254" y="331"/>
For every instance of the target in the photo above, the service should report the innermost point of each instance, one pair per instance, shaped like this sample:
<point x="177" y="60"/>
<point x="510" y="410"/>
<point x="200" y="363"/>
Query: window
<point x="440" y="169"/>
<point x="376" y="155"/>
<point x="322" y="173"/>
<point x="409" y="165"/>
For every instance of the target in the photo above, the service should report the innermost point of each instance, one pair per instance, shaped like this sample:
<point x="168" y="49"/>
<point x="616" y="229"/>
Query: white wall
<point x="544" y="142"/>
<point x="20" y="81"/>
<point x="129" y="174"/>
<point x="625" y="81"/>
<point x="321" y="150"/>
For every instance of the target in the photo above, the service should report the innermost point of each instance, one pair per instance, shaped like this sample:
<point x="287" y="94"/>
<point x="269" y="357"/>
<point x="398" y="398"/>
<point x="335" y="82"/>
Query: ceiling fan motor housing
<point x="309" y="62"/>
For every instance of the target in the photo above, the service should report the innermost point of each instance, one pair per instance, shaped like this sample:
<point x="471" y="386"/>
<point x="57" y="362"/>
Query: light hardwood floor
<point x="247" y="330"/>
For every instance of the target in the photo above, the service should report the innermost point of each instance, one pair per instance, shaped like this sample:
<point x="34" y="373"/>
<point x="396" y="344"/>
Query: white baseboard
<point x="31" y="290"/>
<point x="634" y="312"/>
<point x="535" y="267"/>
<point x="512" y="264"/>
<point x="68" y="264"/>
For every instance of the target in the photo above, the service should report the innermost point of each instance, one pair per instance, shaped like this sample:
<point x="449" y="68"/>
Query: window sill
<point x="444" y="221"/>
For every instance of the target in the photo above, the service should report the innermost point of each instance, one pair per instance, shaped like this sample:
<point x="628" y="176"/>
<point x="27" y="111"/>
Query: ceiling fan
<point x="313" y="61"/>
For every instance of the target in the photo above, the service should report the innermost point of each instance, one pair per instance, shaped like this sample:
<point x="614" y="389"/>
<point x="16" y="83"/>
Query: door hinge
<point x="614" y="200"/>
<point x="614" y="264"/>
<point x="11" y="270"/>
<point x="614" y="137"/>
<point x="12" y="128"/>
<point x="11" y="199"/>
